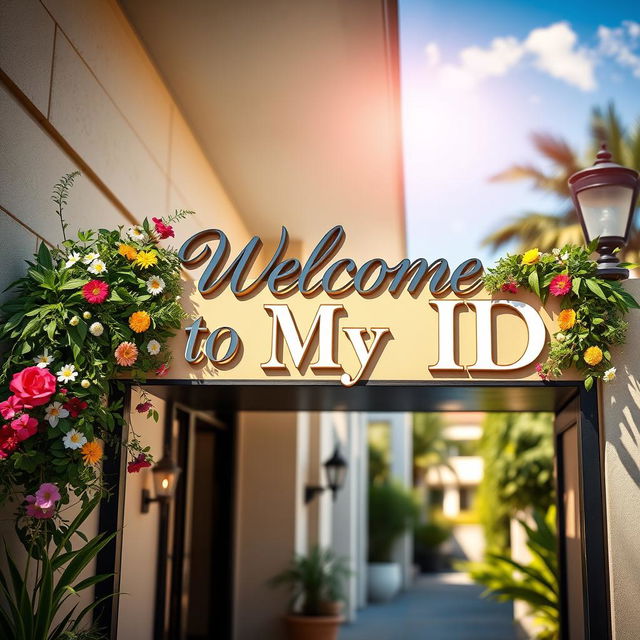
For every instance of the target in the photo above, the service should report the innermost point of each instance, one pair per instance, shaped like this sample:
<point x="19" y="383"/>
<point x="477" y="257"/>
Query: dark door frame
<point x="459" y="395"/>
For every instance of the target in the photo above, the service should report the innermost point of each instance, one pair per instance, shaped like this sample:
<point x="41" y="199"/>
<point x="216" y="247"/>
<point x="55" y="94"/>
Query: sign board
<point x="330" y="319"/>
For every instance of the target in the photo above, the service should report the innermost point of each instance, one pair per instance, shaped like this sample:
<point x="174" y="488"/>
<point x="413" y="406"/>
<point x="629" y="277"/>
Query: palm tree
<point x="544" y="230"/>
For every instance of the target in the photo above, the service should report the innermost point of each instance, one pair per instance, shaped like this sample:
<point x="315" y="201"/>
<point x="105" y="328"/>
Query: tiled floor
<point x="438" y="607"/>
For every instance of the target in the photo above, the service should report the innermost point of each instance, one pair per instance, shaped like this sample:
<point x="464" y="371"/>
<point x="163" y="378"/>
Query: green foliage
<point x="599" y="306"/>
<point x="548" y="230"/>
<point x="60" y="195"/>
<point x="49" y="580"/>
<point x="50" y="315"/>
<point x="378" y="465"/>
<point x="517" y="449"/>
<point x="430" y="448"/>
<point x="431" y="535"/>
<point x="392" y="512"/>
<point x="314" y="580"/>
<point x="535" y="583"/>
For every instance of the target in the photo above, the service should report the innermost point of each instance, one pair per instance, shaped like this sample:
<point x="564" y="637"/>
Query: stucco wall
<point x="78" y="91"/>
<point x="621" y="424"/>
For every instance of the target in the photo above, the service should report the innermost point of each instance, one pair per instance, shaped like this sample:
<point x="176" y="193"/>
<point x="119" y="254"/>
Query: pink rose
<point x="33" y="386"/>
<point x="10" y="407"/>
<point x="143" y="407"/>
<point x="25" y="426"/>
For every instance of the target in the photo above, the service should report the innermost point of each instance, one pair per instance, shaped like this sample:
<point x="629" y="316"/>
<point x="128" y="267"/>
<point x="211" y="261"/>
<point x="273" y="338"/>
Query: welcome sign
<point x="255" y="317"/>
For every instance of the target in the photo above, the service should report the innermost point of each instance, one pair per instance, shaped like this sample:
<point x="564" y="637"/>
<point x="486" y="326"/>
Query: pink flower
<point x="143" y="407"/>
<point x="34" y="386"/>
<point x="162" y="370"/>
<point x="510" y="287"/>
<point x="25" y="426"/>
<point x="162" y="229"/>
<point x="36" y="511"/>
<point x="95" y="291"/>
<point x="47" y="495"/>
<point x="139" y="463"/>
<point x="10" y="407"/>
<point x="560" y="285"/>
<point x="126" y="354"/>
<point x="541" y="373"/>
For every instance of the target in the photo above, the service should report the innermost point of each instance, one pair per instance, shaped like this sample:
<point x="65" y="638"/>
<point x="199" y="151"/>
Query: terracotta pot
<point x="331" y="608"/>
<point x="313" y="627"/>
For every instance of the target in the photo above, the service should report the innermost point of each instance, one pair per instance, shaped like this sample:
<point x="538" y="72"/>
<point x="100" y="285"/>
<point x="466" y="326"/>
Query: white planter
<point x="384" y="580"/>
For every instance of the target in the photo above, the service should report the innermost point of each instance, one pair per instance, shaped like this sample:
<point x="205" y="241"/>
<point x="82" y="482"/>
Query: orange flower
<point x="127" y="251"/>
<point x="91" y="452"/>
<point x="566" y="319"/>
<point x="140" y="321"/>
<point x="593" y="356"/>
<point x="126" y="354"/>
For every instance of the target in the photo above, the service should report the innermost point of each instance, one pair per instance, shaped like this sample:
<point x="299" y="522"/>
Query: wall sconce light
<point x="165" y="477"/>
<point x="336" y="471"/>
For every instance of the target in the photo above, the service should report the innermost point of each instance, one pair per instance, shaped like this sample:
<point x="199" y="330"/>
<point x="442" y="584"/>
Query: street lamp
<point x="604" y="196"/>
<point x="335" y="469"/>
<point x="165" y="476"/>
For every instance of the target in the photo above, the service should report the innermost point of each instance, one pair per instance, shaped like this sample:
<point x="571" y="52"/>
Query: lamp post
<point x="165" y="476"/>
<point x="336" y="471"/>
<point x="604" y="196"/>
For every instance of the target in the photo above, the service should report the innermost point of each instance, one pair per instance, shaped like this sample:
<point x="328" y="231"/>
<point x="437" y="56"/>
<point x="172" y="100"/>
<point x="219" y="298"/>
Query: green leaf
<point x="534" y="282"/>
<point x="595" y="288"/>
<point x="588" y="383"/>
<point x="44" y="256"/>
<point x="575" y="285"/>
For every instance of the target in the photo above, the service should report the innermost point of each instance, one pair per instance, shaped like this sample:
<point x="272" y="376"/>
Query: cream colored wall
<point x="78" y="91"/>
<point x="621" y="427"/>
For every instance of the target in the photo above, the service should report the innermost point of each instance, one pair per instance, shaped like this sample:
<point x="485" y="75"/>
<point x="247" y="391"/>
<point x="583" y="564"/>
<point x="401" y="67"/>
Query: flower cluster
<point x="591" y="319"/>
<point x="86" y="312"/>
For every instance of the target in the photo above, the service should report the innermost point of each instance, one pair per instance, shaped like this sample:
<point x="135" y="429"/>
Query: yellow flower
<point x="91" y="452"/>
<point x="140" y="321"/>
<point x="566" y="319"/>
<point x="127" y="251"/>
<point x="531" y="257"/>
<point x="147" y="259"/>
<point x="593" y="356"/>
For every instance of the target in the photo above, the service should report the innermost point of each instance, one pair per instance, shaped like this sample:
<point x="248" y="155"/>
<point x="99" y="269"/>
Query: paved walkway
<point x="444" y="606"/>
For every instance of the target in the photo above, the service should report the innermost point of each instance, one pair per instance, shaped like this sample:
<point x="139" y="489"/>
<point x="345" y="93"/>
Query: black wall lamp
<point x="165" y="477"/>
<point x="336" y="471"/>
<point x="605" y="196"/>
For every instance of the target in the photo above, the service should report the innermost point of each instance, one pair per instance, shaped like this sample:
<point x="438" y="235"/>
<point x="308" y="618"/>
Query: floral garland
<point x="85" y="312"/>
<point x="593" y="309"/>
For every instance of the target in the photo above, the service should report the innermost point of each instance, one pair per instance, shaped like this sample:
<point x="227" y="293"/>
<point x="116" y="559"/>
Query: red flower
<point x="10" y="407"/>
<point x="162" y="370"/>
<point x="139" y="463"/>
<point x="509" y="287"/>
<point x="8" y="441"/>
<point x="75" y="406"/>
<point x="541" y="373"/>
<point x="33" y="386"/>
<point x="25" y="426"/>
<point x="560" y="285"/>
<point x="162" y="229"/>
<point x="143" y="407"/>
<point x="95" y="291"/>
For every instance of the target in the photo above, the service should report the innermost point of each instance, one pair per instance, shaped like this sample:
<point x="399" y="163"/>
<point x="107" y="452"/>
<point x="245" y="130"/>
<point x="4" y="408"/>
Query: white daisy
<point x="74" y="439"/>
<point x="68" y="373"/>
<point x="609" y="374"/>
<point x="75" y="321"/>
<point x="564" y="257"/>
<point x="155" y="285"/>
<point x="54" y="412"/>
<point x="85" y="384"/>
<point x="96" y="329"/>
<point x="44" y="359"/>
<point x="72" y="258"/>
<point x="98" y="267"/>
<point x="560" y="337"/>
<point x="86" y="315"/>
<point x="153" y="347"/>
<point x="137" y="233"/>
<point x="90" y="257"/>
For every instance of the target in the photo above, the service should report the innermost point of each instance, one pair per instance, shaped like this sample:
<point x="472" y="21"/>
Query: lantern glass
<point x="165" y="480"/>
<point x="336" y="475"/>
<point x="606" y="210"/>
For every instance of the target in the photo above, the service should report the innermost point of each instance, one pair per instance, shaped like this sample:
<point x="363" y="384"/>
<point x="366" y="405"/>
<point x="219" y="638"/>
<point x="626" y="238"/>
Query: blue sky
<point x="477" y="79"/>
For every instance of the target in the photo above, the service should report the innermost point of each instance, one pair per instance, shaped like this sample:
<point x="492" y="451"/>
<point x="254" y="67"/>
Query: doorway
<point x="582" y="550"/>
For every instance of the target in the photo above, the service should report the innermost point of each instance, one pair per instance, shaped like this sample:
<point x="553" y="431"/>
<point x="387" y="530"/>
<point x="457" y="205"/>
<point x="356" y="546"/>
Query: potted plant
<point x="316" y="584"/>
<point x="392" y="512"/>
<point x="427" y="539"/>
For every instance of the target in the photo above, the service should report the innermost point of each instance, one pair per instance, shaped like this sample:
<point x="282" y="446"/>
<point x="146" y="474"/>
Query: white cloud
<point x="551" y="49"/>
<point x="620" y="44"/>
<point x="554" y="50"/>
